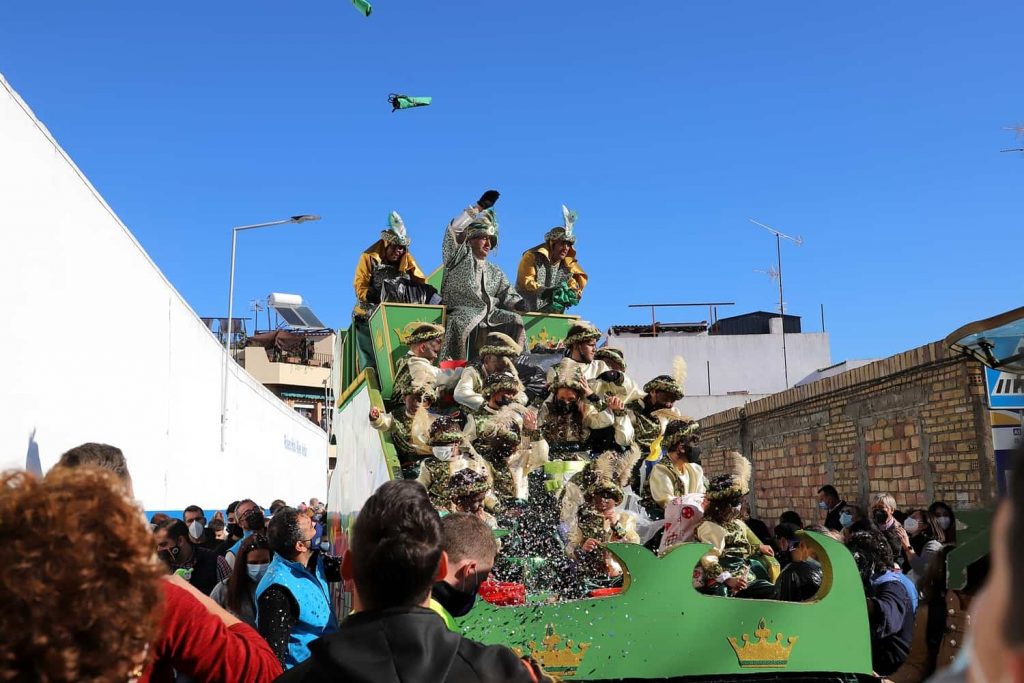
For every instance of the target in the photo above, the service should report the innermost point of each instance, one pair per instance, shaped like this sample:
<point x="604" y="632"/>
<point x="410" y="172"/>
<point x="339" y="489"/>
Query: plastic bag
<point x="399" y="289"/>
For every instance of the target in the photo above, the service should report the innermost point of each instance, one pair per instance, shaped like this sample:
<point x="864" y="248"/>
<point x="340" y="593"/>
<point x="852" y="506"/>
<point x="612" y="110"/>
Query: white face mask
<point x="195" y="529"/>
<point x="911" y="525"/>
<point x="442" y="453"/>
<point x="256" y="571"/>
<point x="943" y="522"/>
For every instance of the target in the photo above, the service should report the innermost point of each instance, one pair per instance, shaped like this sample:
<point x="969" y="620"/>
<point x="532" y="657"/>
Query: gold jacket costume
<point x="371" y="262"/>
<point x="537" y="273"/>
<point x="667" y="482"/>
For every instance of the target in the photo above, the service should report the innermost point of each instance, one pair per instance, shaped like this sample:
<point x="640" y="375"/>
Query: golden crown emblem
<point x="763" y="654"/>
<point x="563" y="661"/>
<point x="543" y="338"/>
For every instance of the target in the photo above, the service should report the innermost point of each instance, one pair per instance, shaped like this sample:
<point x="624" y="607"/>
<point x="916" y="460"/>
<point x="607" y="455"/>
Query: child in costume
<point x="737" y="563"/>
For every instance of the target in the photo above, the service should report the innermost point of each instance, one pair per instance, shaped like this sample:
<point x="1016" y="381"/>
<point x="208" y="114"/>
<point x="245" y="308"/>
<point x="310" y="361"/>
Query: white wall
<point x="743" y="362"/>
<point x="64" y="253"/>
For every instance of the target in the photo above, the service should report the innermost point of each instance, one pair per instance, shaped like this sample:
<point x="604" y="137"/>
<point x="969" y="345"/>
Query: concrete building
<point x="730" y="362"/>
<point x="296" y="366"/>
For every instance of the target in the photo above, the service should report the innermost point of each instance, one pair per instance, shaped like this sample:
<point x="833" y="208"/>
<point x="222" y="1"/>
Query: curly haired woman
<point x="71" y="615"/>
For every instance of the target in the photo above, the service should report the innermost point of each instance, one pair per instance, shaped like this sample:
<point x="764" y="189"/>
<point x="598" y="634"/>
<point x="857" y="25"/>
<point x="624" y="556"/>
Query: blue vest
<point x="316" y="617"/>
<point x="902" y="579"/>
<point x="238" y="544"/>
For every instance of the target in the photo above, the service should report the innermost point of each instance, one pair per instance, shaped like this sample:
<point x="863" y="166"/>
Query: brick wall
<point x="915" y="425"/>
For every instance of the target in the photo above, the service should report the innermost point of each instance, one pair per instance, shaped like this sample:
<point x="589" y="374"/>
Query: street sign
<point x="1005" y="390"/>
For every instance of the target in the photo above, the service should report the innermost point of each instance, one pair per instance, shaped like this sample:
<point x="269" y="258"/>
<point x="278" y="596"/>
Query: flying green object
<point x="406" y="102"/>
<point x="363" y="6"/>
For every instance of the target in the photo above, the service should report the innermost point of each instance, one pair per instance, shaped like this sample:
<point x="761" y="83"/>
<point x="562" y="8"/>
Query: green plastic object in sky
<point x="660" y="627"/>
<point x="406" y="102"/>
<point x="363" y="6"/>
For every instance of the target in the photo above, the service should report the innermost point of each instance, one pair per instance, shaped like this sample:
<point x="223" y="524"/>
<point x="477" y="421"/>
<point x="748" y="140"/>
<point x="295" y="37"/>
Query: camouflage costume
<point x="475" y="291"/>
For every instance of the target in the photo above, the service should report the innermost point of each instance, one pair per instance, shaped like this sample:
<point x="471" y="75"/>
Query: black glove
<point x="488" y="199"/>
<point x="613" y="376"/>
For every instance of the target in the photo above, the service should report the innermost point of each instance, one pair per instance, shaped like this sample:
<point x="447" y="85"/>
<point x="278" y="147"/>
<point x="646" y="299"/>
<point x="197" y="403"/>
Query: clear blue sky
<point x="870" y="129"/>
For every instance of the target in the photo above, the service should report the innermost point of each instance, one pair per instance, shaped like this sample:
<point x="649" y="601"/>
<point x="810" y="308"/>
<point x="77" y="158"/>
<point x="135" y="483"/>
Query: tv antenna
<point x="777" y="275"/>
<point x="256" y="305"/>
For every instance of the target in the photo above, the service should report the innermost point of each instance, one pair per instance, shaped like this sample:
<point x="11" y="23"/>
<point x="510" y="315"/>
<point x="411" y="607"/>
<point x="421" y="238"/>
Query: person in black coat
<point x="832" y="505"/>
<point x="394" y="559"/>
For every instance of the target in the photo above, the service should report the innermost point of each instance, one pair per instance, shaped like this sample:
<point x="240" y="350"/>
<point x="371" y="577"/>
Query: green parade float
<point x="658" y="626"/>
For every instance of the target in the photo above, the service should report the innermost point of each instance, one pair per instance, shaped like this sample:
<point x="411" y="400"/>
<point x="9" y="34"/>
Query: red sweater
<point x="198" y="644"/>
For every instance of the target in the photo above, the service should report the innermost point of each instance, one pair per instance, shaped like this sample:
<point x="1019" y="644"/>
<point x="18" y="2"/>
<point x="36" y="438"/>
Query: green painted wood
<point x="546" y="329"/>
<point x="972" y="545"/>
<point x="660" y="627"/>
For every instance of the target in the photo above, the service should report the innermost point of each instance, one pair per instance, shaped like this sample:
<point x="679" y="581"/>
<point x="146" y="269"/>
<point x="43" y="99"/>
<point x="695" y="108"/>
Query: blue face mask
<point x="256" y="571"/>
<point x="846" y="519"/>
<point x="822" y="505"/>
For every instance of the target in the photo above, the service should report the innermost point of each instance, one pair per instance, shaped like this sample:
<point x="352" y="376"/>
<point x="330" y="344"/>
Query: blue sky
<point x="871" y="130"/>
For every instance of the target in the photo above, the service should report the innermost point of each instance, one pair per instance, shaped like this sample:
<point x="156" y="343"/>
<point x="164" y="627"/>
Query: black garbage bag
<point x="533" y="370"/>
<point x="400" y="290"/>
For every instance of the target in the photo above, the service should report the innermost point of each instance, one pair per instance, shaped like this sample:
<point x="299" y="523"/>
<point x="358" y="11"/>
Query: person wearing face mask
<point x="202" y="568"/>
<point x="832" y="505"/>
<point x="945" y="518"/>
<point x="550" y="279"/>
<point x="478" y="296"/>
<point x="448" y="456"/>
<point x="922" y="540"/>
<point x="681" y="475"/>
<point x="500" y="390"/>
<point x="387" y="258"/>
<point x="737" y="564"/>
<point x="568" y="417"/>
<point x="293" y="600"/>
<point x="237" y="593"/>
<point x="853" y="519"/>
<point x="882" y="508"/>
<point x="649" y="417"/>
<point x="508" y="440"/>
<point x="232" y="531"/>
<point x="471" y="549"/>
<point x="398" y="423"/>
<point x="250" y="519"/>
<point x="495" y="356"/>
<point x="198" y="532"/>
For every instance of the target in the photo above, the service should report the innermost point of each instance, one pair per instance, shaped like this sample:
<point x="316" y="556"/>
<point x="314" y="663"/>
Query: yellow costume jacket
<point x="369" y="260"/>
<point x="536" y="274"/>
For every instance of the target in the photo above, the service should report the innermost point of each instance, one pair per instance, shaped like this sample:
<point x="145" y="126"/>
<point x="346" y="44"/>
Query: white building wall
<point x="744" y="362"/>
<point x="79" y="293"/>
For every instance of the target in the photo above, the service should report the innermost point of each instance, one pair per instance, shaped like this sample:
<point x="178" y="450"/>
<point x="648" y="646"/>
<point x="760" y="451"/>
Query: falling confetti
<point x="363" y="6"/>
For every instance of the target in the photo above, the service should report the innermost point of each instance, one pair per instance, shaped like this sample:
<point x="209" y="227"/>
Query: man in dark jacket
<point x="891" y="601"/>
<point x="394" y="558"/>
<point x="830" y="502"/>
<point x="202" y="568"/>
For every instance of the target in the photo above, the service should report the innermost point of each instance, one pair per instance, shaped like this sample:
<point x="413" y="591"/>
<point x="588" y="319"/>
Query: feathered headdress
<point x="396" y="232"/>
<point x="564" y="232"/>
<point x="568" y="375"/>
<point x="679" y="372"/>
<point x="505" y="425"/>
<point x="735" y="482"/>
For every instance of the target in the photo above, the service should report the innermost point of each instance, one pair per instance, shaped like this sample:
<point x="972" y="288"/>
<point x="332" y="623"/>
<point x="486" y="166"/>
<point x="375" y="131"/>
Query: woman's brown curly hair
<point x="79" y="579"/>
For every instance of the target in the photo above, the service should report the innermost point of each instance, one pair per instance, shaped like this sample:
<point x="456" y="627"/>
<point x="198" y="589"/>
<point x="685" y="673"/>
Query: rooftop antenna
<point x="778" y="276"/>
<point x="255" y="305"/>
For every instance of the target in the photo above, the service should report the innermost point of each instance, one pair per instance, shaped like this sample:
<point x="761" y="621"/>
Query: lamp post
<point x="231" y="308"/>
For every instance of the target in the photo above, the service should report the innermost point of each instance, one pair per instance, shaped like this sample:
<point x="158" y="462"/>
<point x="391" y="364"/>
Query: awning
<point x="303" y="394"/>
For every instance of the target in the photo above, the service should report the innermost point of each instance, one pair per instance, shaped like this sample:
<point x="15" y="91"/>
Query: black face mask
<point x="879" y="517"/>
<point x="457" y="602"/>
<point x="694" y="455"/>
<point x="169" y="555"/>
<point x="234" y="530"/>
<point x="504" y="400"/>
<point x="563" y="407"/>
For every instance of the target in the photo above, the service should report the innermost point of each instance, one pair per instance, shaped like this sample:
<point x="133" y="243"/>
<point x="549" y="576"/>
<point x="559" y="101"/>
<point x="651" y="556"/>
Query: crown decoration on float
<point x="763" y="654"/>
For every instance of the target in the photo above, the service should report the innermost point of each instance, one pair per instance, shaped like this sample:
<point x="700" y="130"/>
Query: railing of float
<point x="660" y="627"/>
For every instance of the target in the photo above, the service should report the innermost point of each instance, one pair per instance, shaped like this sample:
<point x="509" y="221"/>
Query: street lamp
<point x="231" y="300"/>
